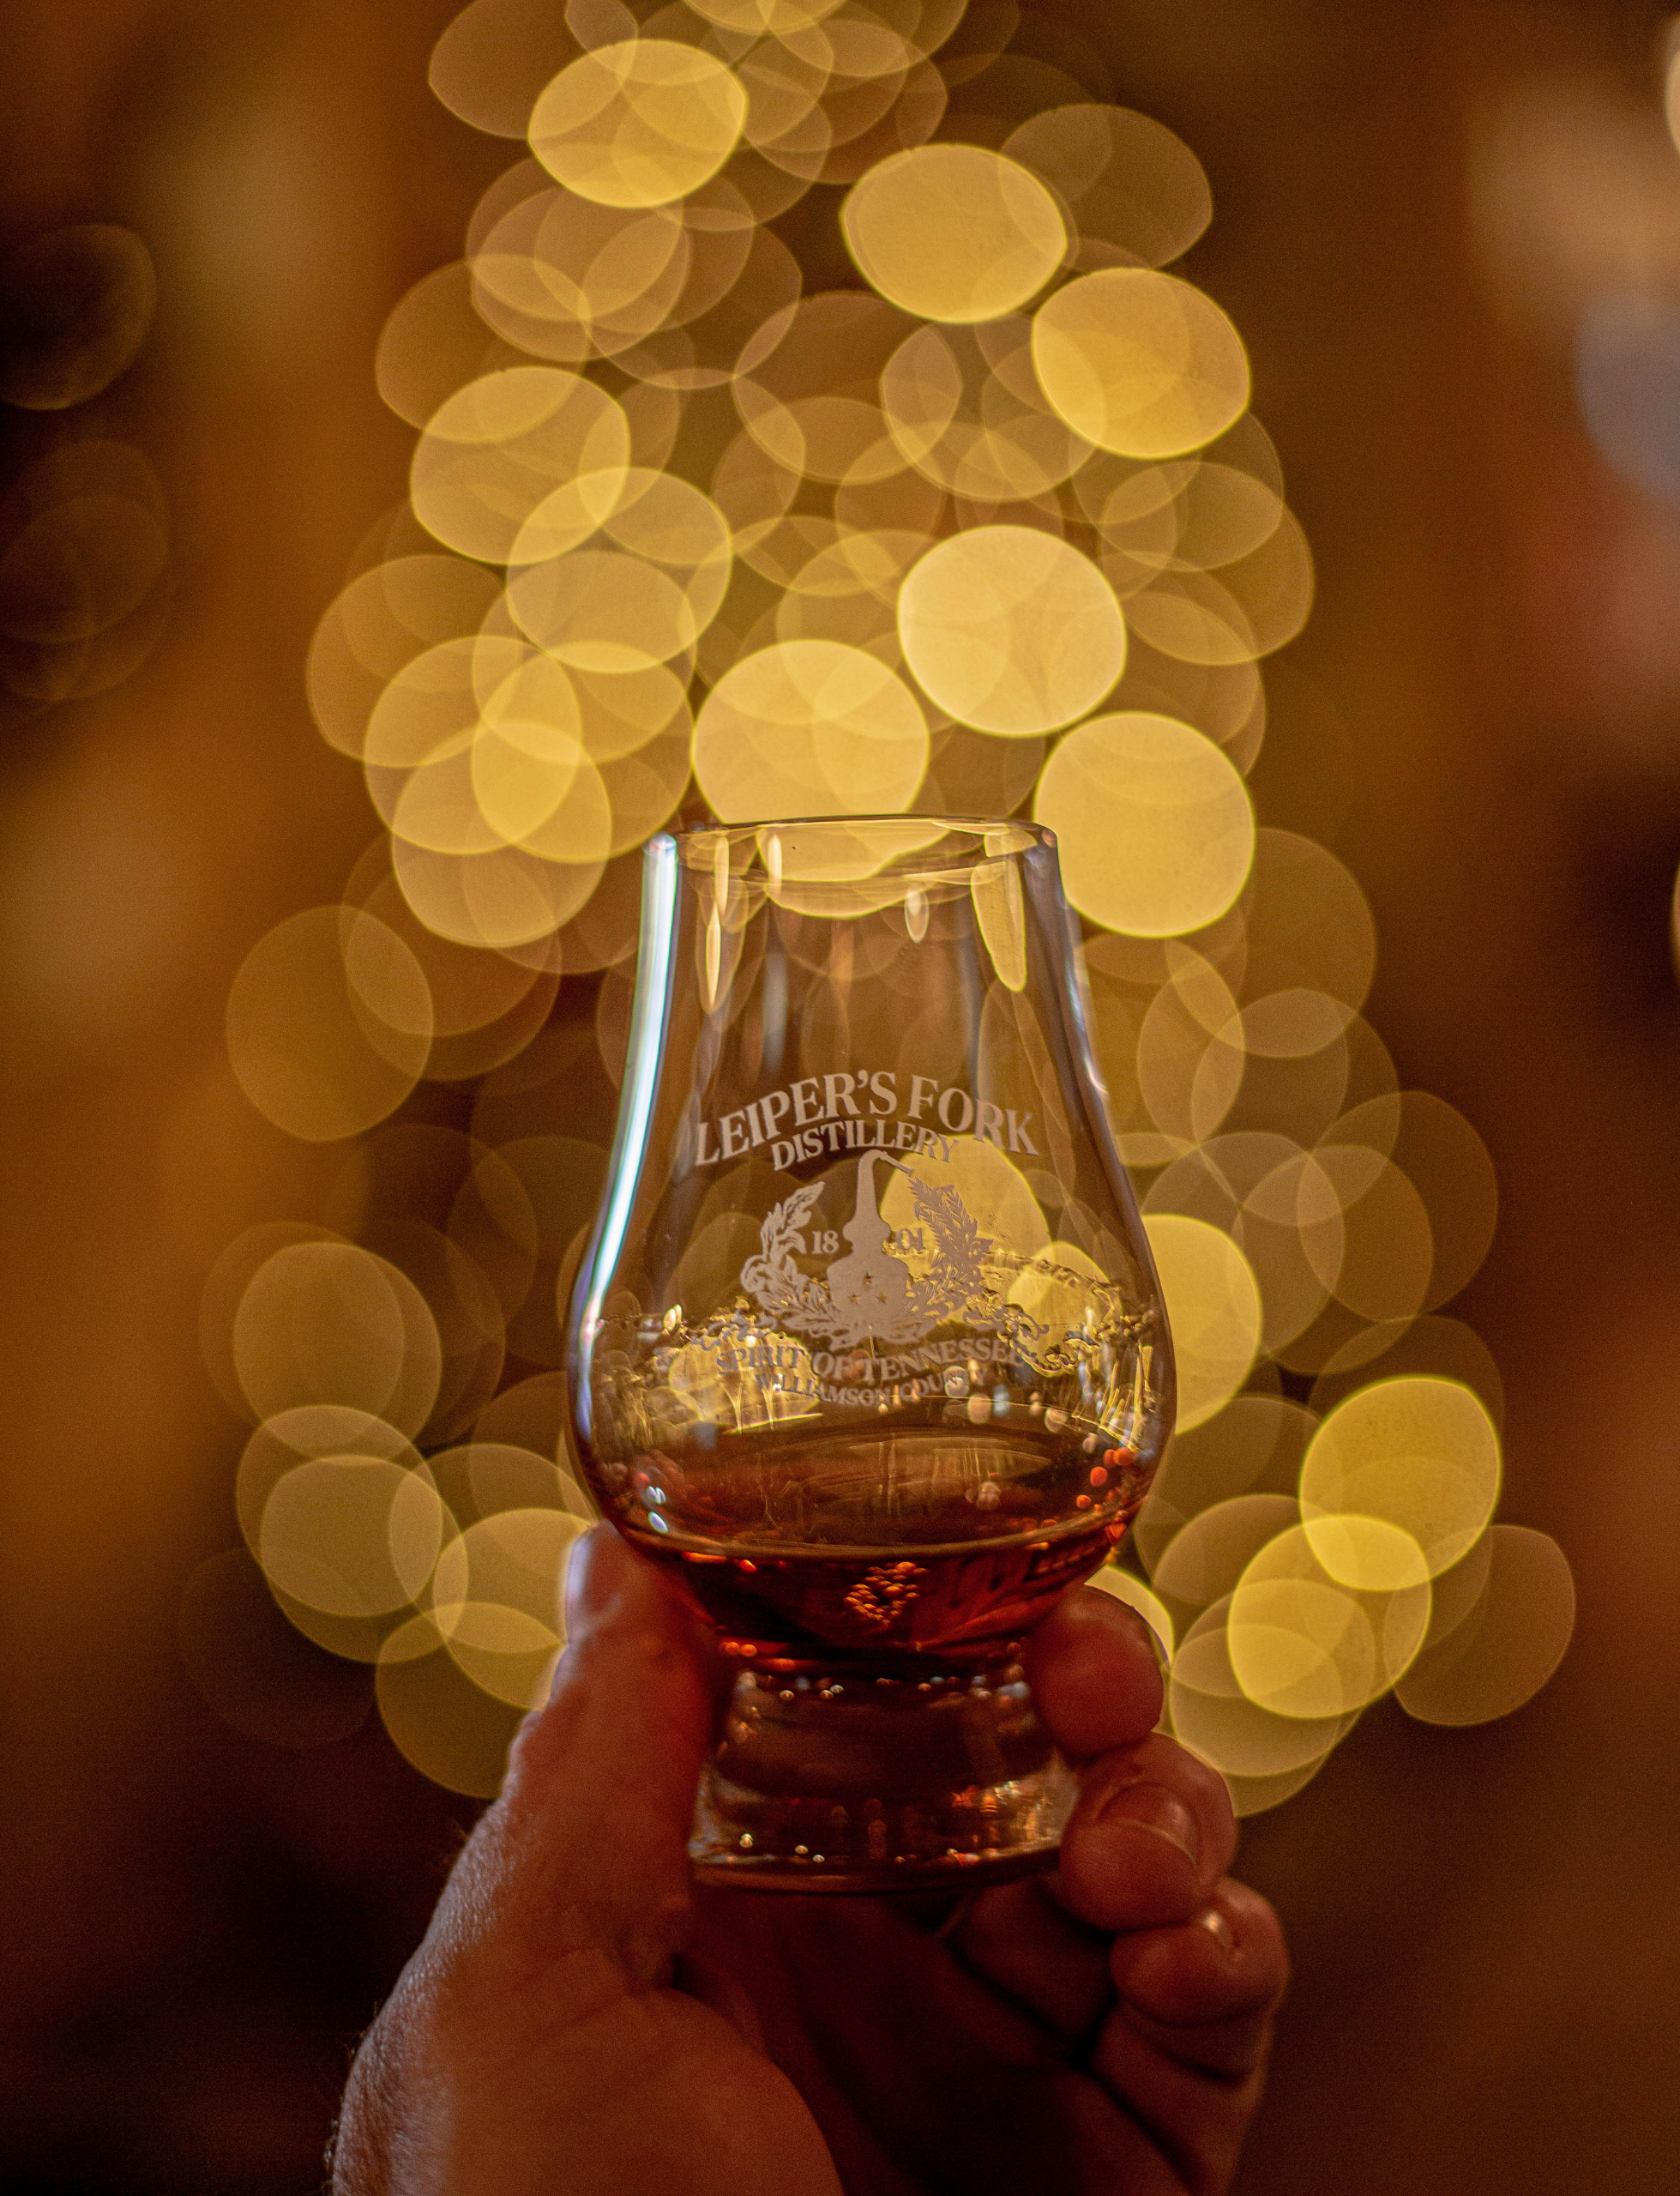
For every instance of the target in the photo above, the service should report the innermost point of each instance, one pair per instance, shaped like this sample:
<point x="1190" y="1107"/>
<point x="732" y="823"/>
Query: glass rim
<point x="696" y="846"/>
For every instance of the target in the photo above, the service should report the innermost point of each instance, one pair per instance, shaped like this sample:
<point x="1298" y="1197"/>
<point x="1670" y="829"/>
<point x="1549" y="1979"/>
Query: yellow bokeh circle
<point x="1064" y="1289"/>
<point x="1210" y="1713"/>
<point x="497" y="449"/>
<point x="1505" y="1638"/>
<point x="329" y="1023"/>
<point x="350" y="1535"/>
<point x="954" y="233"/>
<point x="1212" y="1309"/>
<point x="638" y="123"/>
<point x="809" y="728"/>
<point x="329" y="1322"/>
<point x="497" y="1595"/>
<point x="1420" y="1453"/>
<point x="1154" y="826"/>
<point x="1011" y="630"/>
<point x="1368" y="1553"/>
<point x="1140" y="363"/>
<point x="1305" y="1644"/>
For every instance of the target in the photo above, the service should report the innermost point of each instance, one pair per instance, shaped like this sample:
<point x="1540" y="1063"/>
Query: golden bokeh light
<point x="1212" y="1307"/>
<point x="352" y="1536"/>
<point x="495" y="450"/>
<point x="504" y="901"/>
<point x="1155" y="827"/>
<point x="1255" y="1445"/>
<point x="561" y="277"/>
<point x="1124" y="1587"/>
<point x="1204" y="1560"/>
<point x="963" y="406"/>
<point x="954" y="233"/>
<point x="330" y="1323"/>
<point x="302" y="1434"/>
<point x="1380" y="1260"/>
<point x="1421" y="1454"/>
<point x="1140" y="363"/>
<point x="638" y="123"/>
<point x="1367" y="1552"/>
<point x="1308" y="925"/>
<point x="381" y="622"/>
<point x="438" y="1717"/>
<point x="762" y="18"/>
<point x="1246" y="609"/>
<point x="76" y="304"/>
<point x="309" y="1046"/>
<point x="85" y="569"/>
<point x="1307" y="1645"/>
<point x="809" y="728"/>
<point x="1210" y="1713"/>
<point x="433" y="343"/>
<point x="1501" y="1649"/>
<point x="1011" y="629"/>
<point x="497" y="1595"/>
<point x="619" y="585"/>
<point x="1137" y="193"/>
<point x="695" y="534"/>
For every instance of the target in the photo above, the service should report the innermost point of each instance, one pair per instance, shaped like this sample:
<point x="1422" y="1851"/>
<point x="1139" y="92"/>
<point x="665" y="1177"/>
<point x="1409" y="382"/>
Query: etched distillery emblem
<point x="871" y="1293"/>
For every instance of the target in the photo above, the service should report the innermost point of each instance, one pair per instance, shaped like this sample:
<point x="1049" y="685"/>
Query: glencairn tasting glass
<point x="868" y="1352"/>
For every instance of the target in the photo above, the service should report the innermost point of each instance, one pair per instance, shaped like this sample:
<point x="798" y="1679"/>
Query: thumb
<point x="588" y="1846"/>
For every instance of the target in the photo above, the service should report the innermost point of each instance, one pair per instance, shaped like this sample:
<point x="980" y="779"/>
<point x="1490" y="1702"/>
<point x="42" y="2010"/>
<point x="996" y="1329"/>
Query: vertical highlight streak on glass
<point x="648" y="1017"/>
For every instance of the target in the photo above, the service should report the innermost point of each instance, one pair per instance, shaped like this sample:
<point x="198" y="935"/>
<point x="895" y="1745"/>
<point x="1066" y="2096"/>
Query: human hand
<point x="581" y="2017"/>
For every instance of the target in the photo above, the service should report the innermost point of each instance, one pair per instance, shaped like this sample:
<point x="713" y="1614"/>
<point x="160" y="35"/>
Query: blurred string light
<point x="84" y="528"/>
<point x="990" y="528"/>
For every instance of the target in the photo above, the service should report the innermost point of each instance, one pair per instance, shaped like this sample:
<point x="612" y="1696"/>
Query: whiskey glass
<point x="867" y="1352"/>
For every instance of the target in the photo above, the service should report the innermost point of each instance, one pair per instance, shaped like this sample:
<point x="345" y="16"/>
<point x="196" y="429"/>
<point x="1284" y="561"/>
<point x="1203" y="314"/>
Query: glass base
<point x="847" y="1780"/>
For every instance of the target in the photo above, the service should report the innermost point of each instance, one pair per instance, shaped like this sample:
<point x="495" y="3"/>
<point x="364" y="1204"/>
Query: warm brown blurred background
<point x="1413" y="210"/>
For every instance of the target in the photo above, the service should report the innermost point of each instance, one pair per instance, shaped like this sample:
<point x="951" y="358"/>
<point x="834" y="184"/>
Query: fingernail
<point x="1218" y="1928"/>
<point x="1153" y="1809"/>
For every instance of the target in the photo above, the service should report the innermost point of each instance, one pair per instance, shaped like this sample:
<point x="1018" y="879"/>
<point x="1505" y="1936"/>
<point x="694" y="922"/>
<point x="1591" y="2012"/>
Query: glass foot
<point x="840" y="1780"/>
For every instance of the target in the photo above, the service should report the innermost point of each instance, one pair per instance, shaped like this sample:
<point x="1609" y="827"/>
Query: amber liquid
<point x="919" y="1545"/>
<point x="809" y="1609"/>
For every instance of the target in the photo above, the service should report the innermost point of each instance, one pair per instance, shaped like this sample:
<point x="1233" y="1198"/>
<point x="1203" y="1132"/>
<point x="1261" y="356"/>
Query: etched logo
<point x="871" y="1293"/>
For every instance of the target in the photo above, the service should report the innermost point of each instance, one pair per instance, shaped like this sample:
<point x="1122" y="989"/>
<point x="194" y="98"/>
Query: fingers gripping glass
<point x="868" y="1351"/>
